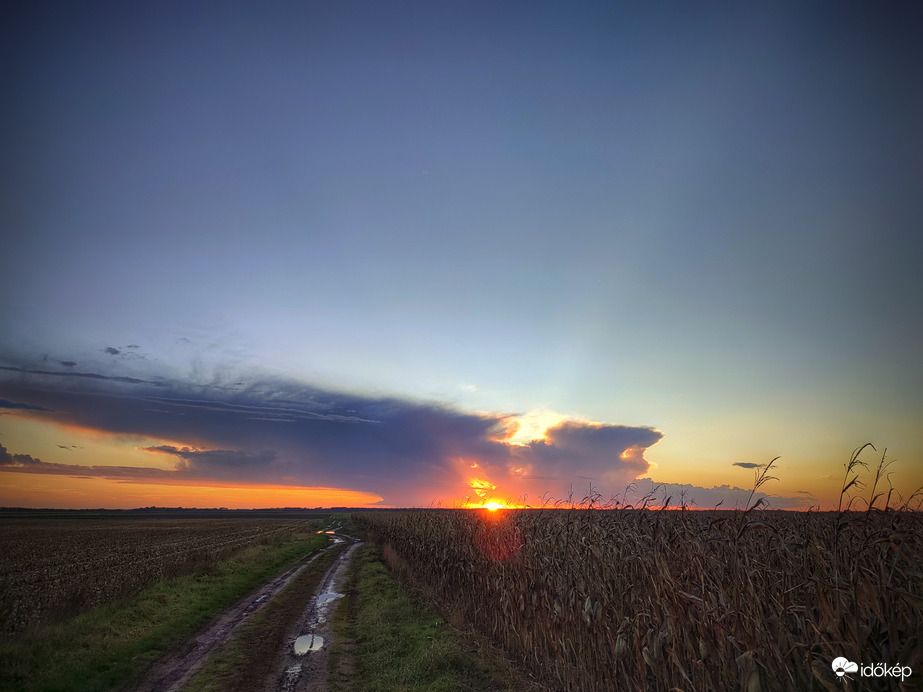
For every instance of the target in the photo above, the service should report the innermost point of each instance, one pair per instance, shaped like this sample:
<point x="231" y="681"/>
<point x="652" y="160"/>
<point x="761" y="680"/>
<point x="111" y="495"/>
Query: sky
<point x="440" y="253"/>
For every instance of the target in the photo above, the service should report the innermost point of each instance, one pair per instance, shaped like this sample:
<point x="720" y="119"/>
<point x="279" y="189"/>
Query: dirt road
<point x="176" y="669"/>
<point x="304" y="662"/>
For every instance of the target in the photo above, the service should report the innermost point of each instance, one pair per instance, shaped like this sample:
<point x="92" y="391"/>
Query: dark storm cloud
<point x="407" y="451"/>
<point x="747" y="465"/>
<point x="86" y="375"/>
<point x="111" y="350"/>
<point x="67" y="363"/>
<point x="8" y="460"/>
<point x="18" y="405"/>
<point x="227" y="464"/>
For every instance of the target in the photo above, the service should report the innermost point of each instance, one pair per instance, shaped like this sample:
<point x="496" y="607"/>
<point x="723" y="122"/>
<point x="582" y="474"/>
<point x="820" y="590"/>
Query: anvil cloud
<point x="276" y="430"/>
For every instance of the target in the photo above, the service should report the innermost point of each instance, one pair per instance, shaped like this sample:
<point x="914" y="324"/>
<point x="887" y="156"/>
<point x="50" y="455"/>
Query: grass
<point x="112" y="645"/>
<point x="386" y="640"/>
<point x="248" y="659"/>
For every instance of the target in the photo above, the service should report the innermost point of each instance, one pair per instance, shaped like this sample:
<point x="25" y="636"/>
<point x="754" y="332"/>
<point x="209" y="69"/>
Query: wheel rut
<point x="303" y="665"/>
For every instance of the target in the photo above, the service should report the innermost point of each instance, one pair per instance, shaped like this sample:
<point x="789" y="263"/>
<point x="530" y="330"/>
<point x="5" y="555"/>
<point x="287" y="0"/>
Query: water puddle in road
<point x="325" y="598"/>
<point x="307" y="643"/>
<point x="322" y="606"/>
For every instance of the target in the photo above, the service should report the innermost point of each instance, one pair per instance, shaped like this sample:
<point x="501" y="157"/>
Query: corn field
<point x="53" y="568"/>
<point x="642" y="599"/>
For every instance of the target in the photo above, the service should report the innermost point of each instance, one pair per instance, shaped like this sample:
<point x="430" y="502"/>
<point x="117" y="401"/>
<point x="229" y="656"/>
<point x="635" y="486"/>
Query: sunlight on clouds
<point x="543" y="452"/>
<point x="482" y="488"/>
<point x="534" y="426"/>
<point x="632" y="454"/>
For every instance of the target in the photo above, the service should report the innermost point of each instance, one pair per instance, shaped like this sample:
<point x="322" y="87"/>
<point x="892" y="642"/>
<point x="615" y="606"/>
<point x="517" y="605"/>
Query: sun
<point x="493" y="506"/>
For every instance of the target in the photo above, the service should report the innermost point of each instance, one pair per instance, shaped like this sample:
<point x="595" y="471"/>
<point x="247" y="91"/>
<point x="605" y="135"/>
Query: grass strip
<point x="386" y="639"/>
<point x="249" y="658"/>
<point x="110" y="646"/>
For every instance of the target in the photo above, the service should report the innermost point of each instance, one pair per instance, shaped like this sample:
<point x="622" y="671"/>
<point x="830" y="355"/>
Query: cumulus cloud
<point x="718" y="496"/>
<point x="8" y="460"/>
<point x="572" y="457"/>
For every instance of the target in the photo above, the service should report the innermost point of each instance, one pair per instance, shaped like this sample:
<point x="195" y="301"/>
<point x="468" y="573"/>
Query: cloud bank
<point x="263" y="429"/>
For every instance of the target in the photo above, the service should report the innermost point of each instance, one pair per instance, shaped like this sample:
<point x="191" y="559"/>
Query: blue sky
<point x="702" y="220"/>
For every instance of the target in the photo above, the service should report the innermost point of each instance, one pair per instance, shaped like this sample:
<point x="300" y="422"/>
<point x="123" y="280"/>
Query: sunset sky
<point x="416" y="253"/>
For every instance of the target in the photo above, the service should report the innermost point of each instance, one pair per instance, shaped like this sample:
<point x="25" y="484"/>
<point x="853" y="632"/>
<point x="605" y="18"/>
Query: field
<point x="633" y="599"/>
<point x="55" y="567"/>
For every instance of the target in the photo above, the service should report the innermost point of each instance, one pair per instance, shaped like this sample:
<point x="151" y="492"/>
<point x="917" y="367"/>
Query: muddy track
<point x="172" y="671"/>
<point x="303" y="663"/>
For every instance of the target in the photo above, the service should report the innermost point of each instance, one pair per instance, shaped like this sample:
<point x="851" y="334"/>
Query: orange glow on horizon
<point x="68" y="492"/>
<point x="489" y="505"/>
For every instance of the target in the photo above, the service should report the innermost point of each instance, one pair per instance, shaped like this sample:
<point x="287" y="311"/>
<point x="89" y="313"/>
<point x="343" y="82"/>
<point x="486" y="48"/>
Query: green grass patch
<point x="110" y="646"/>
<point x="386" y="639"/>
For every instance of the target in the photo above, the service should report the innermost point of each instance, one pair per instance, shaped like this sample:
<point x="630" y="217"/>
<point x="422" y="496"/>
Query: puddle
<point x="328" y="596"/>
<point x="307" y="643"/>
<point x="322" y="607"/>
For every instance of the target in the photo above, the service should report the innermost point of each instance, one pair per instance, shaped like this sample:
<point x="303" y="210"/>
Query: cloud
<point x="111" y="350"/>
<point x="86" y="375"/>
<point x="18" y="405"/>
<point x="227" y="429"/>
<point x="227" y="464"/>
<point x="723" y="496"/>
<point x="8" y="460"/>
<point x="409" y="452"/>
<point x="747" y="465"/>
<point x="25" y="463"/>
<point x="67" y="363"/>
<point x="572" y="457"/>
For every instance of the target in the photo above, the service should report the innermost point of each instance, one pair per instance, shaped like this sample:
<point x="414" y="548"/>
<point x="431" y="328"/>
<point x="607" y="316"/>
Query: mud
<point x="303" y="667"/>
